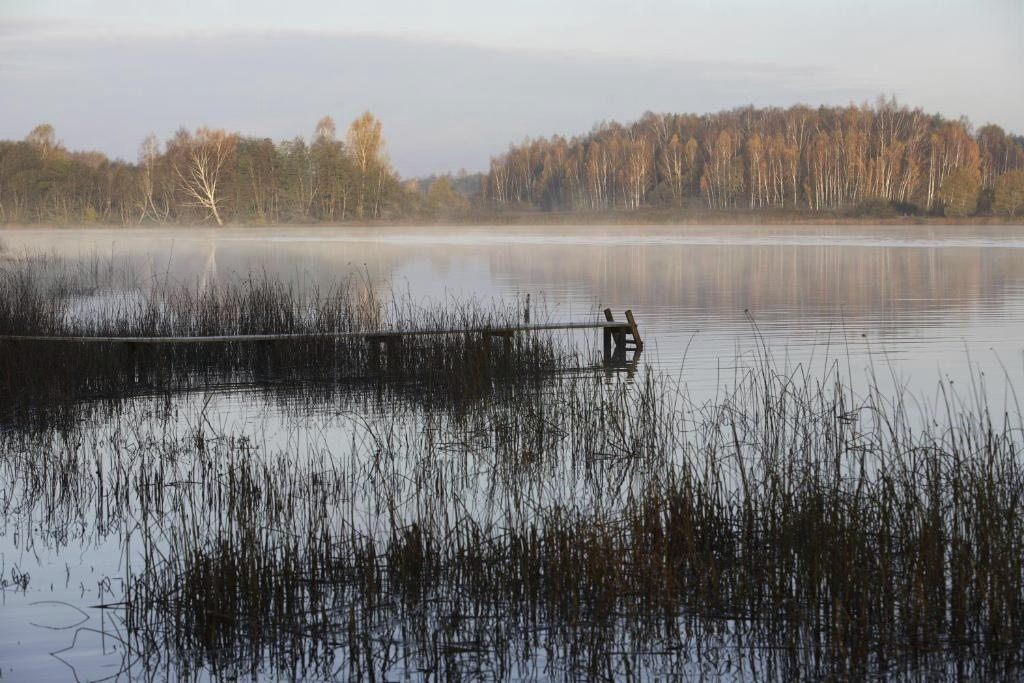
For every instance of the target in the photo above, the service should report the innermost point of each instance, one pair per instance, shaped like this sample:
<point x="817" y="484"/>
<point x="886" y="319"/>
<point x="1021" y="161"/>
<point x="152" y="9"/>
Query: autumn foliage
<point x="830" y="158"/>
<point x="868" y="160"/>
<point x="206" y="175"/>
<point x="1009" y="194"/>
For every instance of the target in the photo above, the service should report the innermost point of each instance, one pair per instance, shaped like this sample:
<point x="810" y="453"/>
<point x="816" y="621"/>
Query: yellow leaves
<point x="1009" y="194"/>
<point x="960" y="192"/>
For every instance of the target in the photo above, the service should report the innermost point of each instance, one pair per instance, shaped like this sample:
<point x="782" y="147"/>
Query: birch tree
<point x="333" y="169"/>
<point x="366" y="144"/>
<point x="959" y="192"/>
<point x="1009" y="194"/>
<point x="200" y="167"/>
<point x="44" y="138"/>
<point x="149" y="156"/>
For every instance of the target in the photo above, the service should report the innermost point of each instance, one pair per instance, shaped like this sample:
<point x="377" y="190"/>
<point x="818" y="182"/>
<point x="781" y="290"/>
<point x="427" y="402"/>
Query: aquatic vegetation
<point x="314" y="343"/>
<point x="591" y="527"/>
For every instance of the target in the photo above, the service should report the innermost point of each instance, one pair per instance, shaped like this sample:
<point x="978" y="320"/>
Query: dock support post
<point x="608" y="336"/>
<point x="620" y="334"/>
<point x="620" y="346"/>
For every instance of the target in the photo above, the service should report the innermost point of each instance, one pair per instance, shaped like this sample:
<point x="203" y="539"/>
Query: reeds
<point x="790" y="529"/>
<point x="323" y="350"/>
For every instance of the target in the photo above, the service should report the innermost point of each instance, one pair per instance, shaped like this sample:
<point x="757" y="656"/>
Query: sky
<point x="455" y="82"/>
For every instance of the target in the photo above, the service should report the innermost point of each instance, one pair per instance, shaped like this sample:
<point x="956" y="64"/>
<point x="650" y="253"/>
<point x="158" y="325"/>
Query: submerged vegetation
<point x="543" y="525"/>
<point x="876" y="161"/>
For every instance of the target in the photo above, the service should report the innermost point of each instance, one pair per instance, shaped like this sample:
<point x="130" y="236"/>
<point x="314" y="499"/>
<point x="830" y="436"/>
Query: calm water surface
<point x="910" y="304"/>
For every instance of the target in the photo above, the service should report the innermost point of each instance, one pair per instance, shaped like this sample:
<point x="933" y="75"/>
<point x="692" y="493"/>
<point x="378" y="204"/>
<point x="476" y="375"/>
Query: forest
<point x="875" y="160"/>
<point x="881" y="158"/>
<point x="206" y="175"/>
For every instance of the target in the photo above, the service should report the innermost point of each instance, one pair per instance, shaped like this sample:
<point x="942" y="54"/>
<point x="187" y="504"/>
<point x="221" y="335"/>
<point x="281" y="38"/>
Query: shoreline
<point x="540" y="219"/>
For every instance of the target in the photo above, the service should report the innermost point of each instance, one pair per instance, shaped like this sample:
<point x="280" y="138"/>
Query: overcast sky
<point x="455" y="81"/>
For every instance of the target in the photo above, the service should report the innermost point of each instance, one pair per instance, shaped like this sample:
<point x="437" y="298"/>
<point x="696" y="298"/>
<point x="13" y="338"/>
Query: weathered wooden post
<point x="608" y="336"/>
<point x="618" y="333"/>
<point x="638" y="344"/>
<point x="620" y="346"/>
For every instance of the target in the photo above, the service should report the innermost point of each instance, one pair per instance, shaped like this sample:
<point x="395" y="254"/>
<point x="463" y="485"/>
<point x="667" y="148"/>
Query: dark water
<point x="908" y="304"/>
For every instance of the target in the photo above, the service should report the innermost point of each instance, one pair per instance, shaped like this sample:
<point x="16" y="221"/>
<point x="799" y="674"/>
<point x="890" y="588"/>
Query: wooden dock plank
<point x="378" y="334"/>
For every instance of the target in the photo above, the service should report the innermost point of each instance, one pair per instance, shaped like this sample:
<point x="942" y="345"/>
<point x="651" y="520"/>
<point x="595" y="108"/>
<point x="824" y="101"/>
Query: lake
<point x="911" y="303"/>
<point x="907" y="305"/>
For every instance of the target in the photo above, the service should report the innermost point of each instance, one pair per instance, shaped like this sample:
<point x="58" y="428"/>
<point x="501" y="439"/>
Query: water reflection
<point x="911" y="302"/>
<point x="915" y="299"/>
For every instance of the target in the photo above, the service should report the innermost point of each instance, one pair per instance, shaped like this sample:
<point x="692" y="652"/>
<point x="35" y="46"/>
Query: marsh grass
<point x="791" y="528"/>
<point x="43" y="381"/>
<point x="492" y="516"/>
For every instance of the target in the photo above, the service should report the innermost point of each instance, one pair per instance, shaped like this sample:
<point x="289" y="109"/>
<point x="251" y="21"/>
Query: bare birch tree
<point x="200" y="168"/>
<point x="149" y="155"/>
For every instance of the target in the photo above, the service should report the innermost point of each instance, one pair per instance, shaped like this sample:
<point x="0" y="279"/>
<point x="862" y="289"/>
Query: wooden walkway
<point x="618" y="336"/>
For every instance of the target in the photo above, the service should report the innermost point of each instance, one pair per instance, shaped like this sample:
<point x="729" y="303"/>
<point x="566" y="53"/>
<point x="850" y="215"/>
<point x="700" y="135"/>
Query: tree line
<point x="203" y="175"/>
<point x="874" y="160"/>
<point x="884" y="157"/>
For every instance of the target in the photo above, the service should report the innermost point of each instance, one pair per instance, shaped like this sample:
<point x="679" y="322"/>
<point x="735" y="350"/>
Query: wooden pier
<point x="619" y="336"/>
<point x="625" y="336"/>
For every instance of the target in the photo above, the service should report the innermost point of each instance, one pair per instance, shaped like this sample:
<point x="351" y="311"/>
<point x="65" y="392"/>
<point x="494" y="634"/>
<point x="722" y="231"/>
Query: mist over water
<point x="911" y="304"/>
